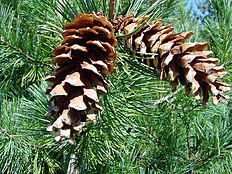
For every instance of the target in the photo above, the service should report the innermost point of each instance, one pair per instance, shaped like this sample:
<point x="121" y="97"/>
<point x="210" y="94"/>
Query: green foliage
<point x="22" y="50"/>
<point x="217" y="28"/>
<point x="25" y="145"/>
<point x="143" y="128"/>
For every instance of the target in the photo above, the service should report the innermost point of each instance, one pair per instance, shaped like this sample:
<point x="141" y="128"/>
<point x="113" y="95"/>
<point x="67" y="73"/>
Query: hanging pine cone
<point x="186" y="63"/>
<point x="87" y="51"/>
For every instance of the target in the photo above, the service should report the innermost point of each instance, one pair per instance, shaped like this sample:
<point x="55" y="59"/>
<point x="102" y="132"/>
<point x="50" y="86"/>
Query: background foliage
<point x="143" y="128"/>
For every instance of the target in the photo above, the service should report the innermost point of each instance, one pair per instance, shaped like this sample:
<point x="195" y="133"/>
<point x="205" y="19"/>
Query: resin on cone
<point x="86" y="52"/>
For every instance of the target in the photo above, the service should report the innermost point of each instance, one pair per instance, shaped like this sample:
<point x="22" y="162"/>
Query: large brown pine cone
<point x="186" y="63"/>
<point x="87" y="51"/>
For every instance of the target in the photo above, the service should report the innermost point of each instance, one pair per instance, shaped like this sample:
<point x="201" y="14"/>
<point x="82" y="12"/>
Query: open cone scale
<point x="185" y="63"/>
<point x="86" y="52"/>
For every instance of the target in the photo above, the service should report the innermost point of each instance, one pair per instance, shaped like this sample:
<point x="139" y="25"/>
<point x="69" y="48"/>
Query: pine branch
<point x="23" y="54"/>
<point x="212" y="153"/>
<point x="188" y="145"/>
<point x="165" y="99"/>
<point x="157" y="141"/>
<point x="111" y="9"/>
<point x="12" y="137"/>
<point x="72" y="165"/>
<point x="5" y="133"/>
<point x="228" y="63"/>
<point x="189" y="149"/>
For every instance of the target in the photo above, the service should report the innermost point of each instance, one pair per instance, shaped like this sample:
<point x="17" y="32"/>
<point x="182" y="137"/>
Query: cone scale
<point x="85" y="54"/>
<point x="184" y="63"/>
<point x="88" y="51"/>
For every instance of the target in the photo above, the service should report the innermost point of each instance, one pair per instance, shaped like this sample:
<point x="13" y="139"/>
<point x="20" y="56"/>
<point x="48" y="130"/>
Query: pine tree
<point x="142" y="128"/>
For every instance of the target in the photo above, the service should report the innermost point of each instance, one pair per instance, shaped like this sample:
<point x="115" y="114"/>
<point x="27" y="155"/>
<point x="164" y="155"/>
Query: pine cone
<point x="87" y="51"/>
<point x="186" y="63"/>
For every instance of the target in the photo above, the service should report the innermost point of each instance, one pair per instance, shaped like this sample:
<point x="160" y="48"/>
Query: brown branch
<point x="157" y="141"/>
<point x="111" y="9"/>
<point x="188" y="144"/>
<point x="212" y="153"/>
<point x="165" y="99"/>
<point x="5" y="133"/>
<point x="22" y="53"/>
<point x="14" y="137"/>
<point x="189" y="148"/>
<point x="169" y="149"/>
<point x="18" y="50"/>
<point x="173" y="152"/>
